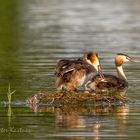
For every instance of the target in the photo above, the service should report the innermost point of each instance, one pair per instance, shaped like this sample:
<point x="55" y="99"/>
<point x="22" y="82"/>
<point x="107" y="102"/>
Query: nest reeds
<point x="78" y="98"/>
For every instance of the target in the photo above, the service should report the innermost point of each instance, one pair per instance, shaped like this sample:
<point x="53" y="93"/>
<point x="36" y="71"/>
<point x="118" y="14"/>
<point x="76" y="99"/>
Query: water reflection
<point x="9" y="46"/>
<point x="87" y="119"/>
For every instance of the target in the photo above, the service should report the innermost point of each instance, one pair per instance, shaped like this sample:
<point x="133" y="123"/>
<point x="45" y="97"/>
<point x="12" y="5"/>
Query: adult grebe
<point x="110" y="82"/>
<point x="72" y="74"/>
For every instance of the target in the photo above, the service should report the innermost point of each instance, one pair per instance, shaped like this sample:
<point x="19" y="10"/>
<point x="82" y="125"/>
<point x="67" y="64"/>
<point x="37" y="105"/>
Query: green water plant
<point x="9" y="94"/>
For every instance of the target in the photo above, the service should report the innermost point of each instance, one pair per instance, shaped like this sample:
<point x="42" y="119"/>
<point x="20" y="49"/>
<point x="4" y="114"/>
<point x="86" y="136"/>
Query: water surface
<point x="34" y="35"/>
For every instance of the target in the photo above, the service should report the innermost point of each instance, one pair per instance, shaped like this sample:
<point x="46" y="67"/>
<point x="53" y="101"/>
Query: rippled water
<point x="34" y="35"/>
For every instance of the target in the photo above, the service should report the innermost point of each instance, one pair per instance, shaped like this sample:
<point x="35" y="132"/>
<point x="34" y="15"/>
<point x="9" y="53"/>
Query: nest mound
<point x="73" y="98"/>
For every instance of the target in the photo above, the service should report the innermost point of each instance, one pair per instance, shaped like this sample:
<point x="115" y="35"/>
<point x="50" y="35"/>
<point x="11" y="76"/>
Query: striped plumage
<point x="72" y="74"/>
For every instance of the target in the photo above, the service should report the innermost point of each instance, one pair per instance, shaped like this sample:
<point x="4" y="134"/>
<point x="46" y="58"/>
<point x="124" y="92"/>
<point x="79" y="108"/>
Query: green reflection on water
<point x="9" y="44"/>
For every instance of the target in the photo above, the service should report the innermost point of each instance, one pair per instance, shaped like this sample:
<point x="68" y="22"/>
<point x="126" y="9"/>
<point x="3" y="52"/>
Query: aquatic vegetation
<point x="75" y="98"/>
<point x="9" y="94"/>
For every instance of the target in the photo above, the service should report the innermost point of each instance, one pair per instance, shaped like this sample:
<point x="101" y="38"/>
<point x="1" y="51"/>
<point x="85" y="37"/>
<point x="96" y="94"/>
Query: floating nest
<point x="75" y="98"/>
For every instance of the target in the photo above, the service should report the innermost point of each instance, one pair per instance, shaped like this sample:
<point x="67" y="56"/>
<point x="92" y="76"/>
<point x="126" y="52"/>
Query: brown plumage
<point x="110" y="82"/>
<point x="72" y="74"/>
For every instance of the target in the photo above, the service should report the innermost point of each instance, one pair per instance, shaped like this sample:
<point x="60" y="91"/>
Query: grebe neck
<point x="121" y="73"/>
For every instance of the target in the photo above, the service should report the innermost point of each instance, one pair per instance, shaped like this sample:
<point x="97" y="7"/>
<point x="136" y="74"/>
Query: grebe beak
<point x="100" y="72"/>
<point x="132" y="59"/>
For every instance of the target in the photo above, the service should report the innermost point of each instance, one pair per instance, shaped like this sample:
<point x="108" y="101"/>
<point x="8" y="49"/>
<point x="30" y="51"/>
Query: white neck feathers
<point x="120" y="72"/>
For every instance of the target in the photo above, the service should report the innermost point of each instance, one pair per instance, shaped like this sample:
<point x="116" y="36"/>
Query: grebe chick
<point x="111" y="82"/>
<point x="72" y="74"/>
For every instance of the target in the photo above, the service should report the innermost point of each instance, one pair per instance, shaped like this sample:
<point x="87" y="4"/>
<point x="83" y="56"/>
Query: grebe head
<point x="93" y="59"/>
<point x="121" y="58"/>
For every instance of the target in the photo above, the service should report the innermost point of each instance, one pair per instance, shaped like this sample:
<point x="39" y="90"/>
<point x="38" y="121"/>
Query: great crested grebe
<point x="72" y="74"/>
<point x="111" y="82"/>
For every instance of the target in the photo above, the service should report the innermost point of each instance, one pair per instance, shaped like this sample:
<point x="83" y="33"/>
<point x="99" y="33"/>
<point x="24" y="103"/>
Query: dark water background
<point x="35" y="34"/>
